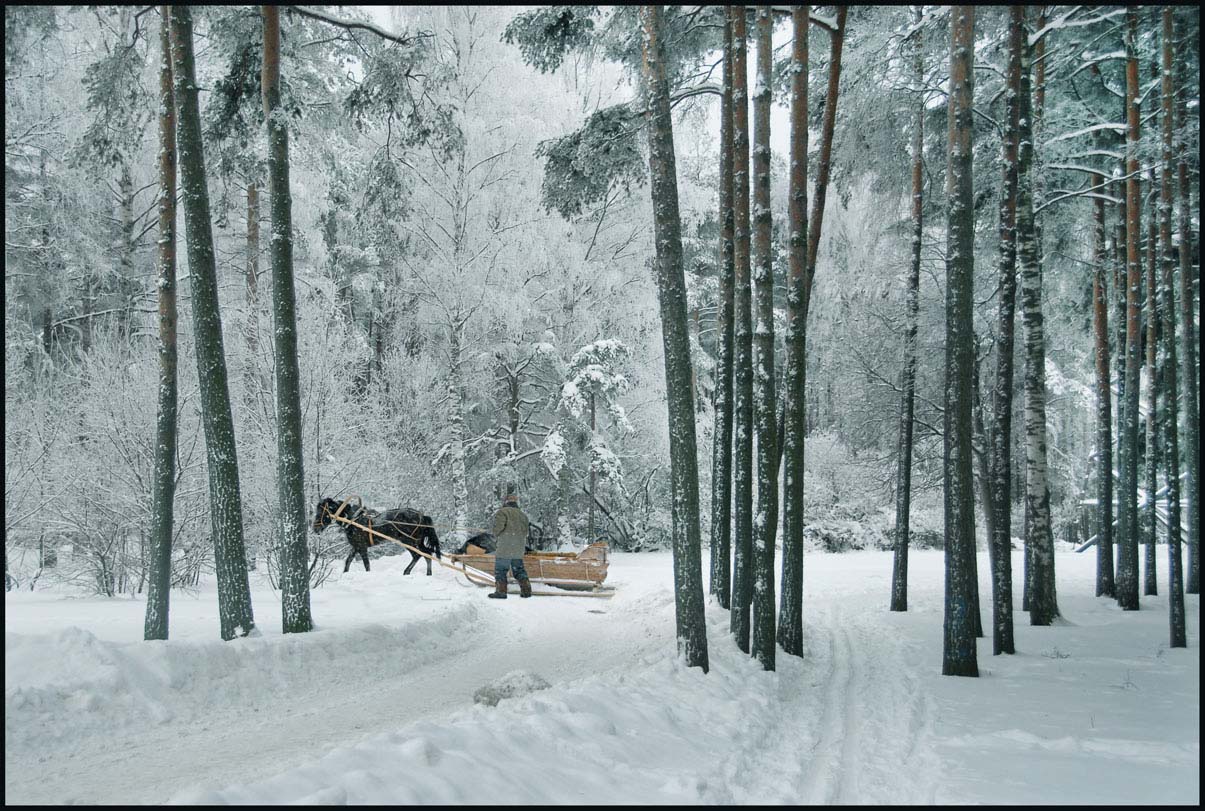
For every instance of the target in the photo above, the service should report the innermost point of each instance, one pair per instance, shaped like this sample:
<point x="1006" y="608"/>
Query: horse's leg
<point x="347" y="563"/>
<point x="364" y="555"/>
<point x="413" y="560"/>
<point x="428" y="566"/>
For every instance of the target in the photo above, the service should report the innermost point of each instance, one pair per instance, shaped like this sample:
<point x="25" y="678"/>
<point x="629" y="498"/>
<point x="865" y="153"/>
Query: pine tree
<point x="790" y="619"/>
<point x="230" y="561"/>
<point x="1149" y="514"/>
<point x="671" y="289"/>
<point x="159" y="579"/>
<point x="1175" y="591"/>
<point x="959" y="654"/>
<point x="721" y="466"/>
<point x="290" y="474"/>
<point x="1104" y="398"/>
<point x="1127" y="553"/>
<point x="765" y="522"/>
<point x="1188" y="309"/>
<point x="742" y="544"/>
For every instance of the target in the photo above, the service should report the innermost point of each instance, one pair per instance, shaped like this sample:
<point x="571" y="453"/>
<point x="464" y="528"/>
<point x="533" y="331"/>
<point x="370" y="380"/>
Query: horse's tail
<point x="430" y="535"/>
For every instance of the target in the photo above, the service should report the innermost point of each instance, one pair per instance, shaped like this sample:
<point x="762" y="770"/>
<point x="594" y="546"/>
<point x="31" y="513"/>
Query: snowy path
<point x="376" y="706"/>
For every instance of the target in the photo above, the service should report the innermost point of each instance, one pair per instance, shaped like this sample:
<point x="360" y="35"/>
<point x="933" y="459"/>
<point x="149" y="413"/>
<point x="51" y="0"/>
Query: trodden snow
<point x="376" y="705"/>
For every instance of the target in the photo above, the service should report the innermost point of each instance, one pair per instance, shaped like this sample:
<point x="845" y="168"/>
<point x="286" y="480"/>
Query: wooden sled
<point x="585" y="570"/>
<point x="592" y="561"/>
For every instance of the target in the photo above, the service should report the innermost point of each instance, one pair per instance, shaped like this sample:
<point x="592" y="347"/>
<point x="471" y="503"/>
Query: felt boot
<point x="499" y="589"/>
<point x="524" y="587"/>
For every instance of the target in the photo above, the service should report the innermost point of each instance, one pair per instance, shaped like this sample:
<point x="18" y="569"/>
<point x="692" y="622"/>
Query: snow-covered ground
<point x="377" y="704"/>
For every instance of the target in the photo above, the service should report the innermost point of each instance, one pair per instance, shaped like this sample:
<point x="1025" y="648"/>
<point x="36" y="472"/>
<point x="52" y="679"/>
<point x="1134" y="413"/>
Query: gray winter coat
<point x="510" y="528"/>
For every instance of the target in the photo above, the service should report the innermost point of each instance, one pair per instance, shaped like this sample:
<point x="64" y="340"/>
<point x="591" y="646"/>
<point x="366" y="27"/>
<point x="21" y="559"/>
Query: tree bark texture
<point x="1188" y="341"/>
<point x="230" y="560"/>
<point x="675" y="331"/>
<point x="903" y="488"/>
<point x="765" y="520"/>
<point x="1000" y="542"/>
<point x="1150" y="522"/>
<point x="1127" y="553"/>
<point x="1175" y="590"/>
<point x="159" y="579"/>
<point x="742" y="545"/>
<point x="790" y="619"/>
<point x="959" y="655"/>
<point x="1039" y="542"/>
<point x="1104" y="397"/>
<point x="290" y="471"/>
<point x="721" y="456"/>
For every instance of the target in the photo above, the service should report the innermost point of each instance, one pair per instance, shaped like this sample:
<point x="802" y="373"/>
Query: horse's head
<point x="323" y="517"/>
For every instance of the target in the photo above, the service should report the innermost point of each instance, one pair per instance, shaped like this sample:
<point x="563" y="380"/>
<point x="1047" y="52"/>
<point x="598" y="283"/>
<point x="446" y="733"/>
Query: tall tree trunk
<point x="1175" y="590"/>
<point x="1104" y="418"/>
<point x="765" y="522"/>
<point x="721" y="466"/>
<point x="824" y="166"/>
<point x="230" y="559"/>
<point x="252" y="279"/>
<point x="1039" y="542"/>
<point x="742" y="545"/>
<point x="1119" y="363"/>
<point x="1127" y="575"/>
<point x="671" y="288"/>
<point x="460" y="480"/>
<point x="593" y="472"/>
<point x="790" y="618"/>
<point x="160" y="579"/>
<point x="1188" y="312"/>
<point x="290" y="473"/>
<point x="1150" y="518"/>
<point x="1000" y="541"/>
<point x="903" y="478"/>
<point x="959" y="655"/>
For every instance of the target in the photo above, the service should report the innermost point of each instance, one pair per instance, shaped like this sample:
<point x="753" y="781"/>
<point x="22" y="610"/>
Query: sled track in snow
<point x="875" y="721"/>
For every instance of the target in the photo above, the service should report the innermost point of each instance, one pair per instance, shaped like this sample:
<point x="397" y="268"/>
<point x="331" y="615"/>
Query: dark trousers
<point x="514" y="564"/>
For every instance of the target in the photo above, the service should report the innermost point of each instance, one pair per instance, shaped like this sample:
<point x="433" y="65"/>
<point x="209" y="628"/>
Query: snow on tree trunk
<point x="460" y="482"/>
<point x="1188" y="312"/>
<point x="903" y="476"/>
<point x="1150" y="585"/>
<point x="1000" y="540"/>
<point x="1127" y="553"/>
<point x="790" y="620"/>
<point x="959" y="655"/>
<point x="159" y="578"/>
<point x="290" y="475"/>
<point x="230" y="561"/>
<point x="721" y="464"/>
<point x="742" y="543"/>
<point x="675" y="332"/>
<point x="765" y="521"/>
<point x="1039" y="542"/>
<point x="1175" y="590"/>
<point x="1104" y="418"/>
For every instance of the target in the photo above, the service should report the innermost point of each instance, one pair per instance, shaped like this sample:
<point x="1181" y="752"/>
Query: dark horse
<point x="406" y="525"/>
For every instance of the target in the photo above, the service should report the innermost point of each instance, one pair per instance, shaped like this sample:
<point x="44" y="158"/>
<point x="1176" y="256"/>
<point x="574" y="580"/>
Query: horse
<point x="404" y="524"/>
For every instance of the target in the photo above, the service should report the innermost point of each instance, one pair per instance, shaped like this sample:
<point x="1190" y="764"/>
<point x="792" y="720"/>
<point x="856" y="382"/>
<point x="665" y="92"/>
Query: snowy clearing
<point x="377" y="705"/>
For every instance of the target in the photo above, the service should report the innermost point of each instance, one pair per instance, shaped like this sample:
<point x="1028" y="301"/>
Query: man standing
<point x="510" y="530"/>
